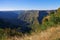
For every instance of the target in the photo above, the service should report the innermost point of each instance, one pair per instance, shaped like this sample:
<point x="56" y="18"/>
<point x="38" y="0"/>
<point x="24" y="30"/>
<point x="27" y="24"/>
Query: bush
<point x="2" y="34"/>
<point x="57" y="39"/>
<point x="43" y="27"/>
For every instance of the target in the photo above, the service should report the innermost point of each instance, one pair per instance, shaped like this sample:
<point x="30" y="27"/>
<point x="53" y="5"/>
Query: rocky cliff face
<point x="33" y="16"/>
<point x="22" y="17"/>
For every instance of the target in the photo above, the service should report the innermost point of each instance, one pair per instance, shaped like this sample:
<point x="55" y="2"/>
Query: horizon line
<point x="23" y="9"/>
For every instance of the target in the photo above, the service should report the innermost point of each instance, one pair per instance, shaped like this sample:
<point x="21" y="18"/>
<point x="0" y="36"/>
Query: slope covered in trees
<point x="31" y="22"/>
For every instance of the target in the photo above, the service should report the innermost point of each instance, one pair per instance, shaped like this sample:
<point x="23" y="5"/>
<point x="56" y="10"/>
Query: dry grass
<point x="49" y="34"/>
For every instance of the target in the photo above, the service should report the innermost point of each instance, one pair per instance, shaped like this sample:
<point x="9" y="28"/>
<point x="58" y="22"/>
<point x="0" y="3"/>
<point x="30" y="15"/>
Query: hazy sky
<point x="29" y="4"/>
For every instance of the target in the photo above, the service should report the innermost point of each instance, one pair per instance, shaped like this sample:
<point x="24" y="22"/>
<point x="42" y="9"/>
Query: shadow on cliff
<point x="42" y="14"/>
<point x="21" y="24"/>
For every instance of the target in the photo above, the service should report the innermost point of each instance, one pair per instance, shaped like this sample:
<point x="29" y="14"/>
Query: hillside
<point x="36" y="24"/>
<point x="49" y="28"/>
<point x="52" y="33"/>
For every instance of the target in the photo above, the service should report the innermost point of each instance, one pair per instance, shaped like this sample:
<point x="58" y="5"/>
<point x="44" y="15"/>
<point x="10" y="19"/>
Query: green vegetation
<point x="49" y="21"/>
<point x="2" y="34"/>
<point x="57" y="39"/>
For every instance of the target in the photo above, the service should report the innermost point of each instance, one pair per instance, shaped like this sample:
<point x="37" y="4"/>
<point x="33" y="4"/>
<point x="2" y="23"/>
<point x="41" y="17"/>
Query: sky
<point x="29" y="4"/>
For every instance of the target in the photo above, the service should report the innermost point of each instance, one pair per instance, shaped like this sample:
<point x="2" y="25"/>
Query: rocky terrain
<point x="30" y="25"/>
